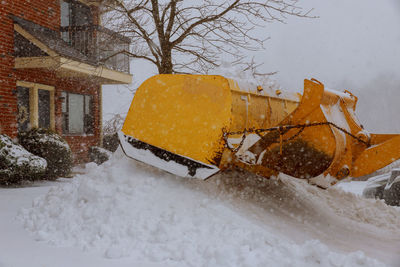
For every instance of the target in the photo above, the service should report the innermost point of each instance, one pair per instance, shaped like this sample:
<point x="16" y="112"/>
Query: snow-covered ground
<point x="125" y="213"/>
<point x="355" y="187"/>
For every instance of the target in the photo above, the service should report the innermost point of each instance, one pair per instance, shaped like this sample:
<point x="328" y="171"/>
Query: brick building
<point x="54" y="58"/>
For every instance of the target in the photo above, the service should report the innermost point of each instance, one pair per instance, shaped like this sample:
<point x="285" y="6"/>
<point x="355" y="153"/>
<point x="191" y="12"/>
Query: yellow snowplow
<point x="197" y="125"/>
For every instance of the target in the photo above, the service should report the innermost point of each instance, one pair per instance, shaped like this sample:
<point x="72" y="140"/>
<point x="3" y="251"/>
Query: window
<point x="65" y="19"/>
<point x="35" y="106"/>
<point x="73" y="14"/>
<point x="65" y="14"/>
<point x="81" y="14"/>
<point x="44" y="108"/>
<point x="77" y="112"/>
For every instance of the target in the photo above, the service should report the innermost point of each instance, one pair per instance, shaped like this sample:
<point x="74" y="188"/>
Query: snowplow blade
<point x="196" y="125"/>
<point x="165" y="160"/>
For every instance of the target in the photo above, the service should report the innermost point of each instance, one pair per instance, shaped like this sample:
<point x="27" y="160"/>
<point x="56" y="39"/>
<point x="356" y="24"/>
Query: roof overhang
<point x="66" y="67"/>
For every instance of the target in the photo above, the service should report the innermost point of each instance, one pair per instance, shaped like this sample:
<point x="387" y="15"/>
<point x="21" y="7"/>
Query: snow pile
<point x="126" y="209"/>
<point x="248" y="81"/>
<point x="355" y="187"/>
<point x="353" y="208"/>
<point x="237" y="73"/>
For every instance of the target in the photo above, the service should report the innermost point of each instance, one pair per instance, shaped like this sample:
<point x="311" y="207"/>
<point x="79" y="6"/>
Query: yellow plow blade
<point x="196" y="125"/>
<point x="182" y="115"/>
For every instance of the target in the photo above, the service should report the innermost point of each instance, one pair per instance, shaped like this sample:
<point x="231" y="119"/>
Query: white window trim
<point x="34" y="102"/>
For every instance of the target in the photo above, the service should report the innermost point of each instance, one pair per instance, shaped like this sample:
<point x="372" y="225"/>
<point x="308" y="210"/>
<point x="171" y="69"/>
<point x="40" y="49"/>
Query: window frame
<point x="34" y="102"/>
<point x="65" y="120"/>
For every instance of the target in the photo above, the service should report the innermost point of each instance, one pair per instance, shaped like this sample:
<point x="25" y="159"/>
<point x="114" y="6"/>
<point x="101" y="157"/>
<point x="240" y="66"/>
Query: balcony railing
<point x="99" y="44"/>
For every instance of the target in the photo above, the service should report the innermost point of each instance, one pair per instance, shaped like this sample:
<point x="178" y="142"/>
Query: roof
<point x="52" y="40"/>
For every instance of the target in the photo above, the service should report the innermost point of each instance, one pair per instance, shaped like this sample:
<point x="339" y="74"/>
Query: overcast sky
<point x="351" y="40"/>
<point x="354" y="45"/>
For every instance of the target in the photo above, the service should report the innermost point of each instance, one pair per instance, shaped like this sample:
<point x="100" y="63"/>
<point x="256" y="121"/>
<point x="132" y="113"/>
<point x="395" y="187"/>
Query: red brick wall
<point x="78" y="143"/>
<point x="45" y="13"/>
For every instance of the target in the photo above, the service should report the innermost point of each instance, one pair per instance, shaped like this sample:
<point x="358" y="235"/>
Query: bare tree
<point x="114" y="124"/>
<point x="181" y="36"/>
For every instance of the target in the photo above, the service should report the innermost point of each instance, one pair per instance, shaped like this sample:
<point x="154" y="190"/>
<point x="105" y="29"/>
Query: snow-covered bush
<point x="99" y="155"/>
<point x="111" y="142"/>
<point x="50" y="146"/>
<point x="17" y="164"/>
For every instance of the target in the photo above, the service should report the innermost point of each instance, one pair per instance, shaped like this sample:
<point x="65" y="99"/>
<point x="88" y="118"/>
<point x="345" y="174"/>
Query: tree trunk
<point x="166" y="62"/>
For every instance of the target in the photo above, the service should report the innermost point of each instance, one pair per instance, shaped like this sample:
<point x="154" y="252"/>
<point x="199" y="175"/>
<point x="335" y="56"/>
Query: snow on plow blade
<point x="165" y="160"/>
<point x="195" y="125"/>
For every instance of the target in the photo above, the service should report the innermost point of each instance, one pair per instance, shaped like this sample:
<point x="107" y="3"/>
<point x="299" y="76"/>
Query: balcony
<point x="91" y="52"/>
<point x="99" y="44"/>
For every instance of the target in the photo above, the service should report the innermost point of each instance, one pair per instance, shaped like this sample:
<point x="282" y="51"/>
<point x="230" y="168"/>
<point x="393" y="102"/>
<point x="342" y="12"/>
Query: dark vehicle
<point x="386" y="187"/>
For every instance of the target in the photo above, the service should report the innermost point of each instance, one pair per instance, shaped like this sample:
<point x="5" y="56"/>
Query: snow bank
<point x="126" y="209"/>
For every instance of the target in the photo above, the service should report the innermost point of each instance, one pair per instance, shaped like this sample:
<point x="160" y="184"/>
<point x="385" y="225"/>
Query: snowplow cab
<point x="196" y="125"/>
